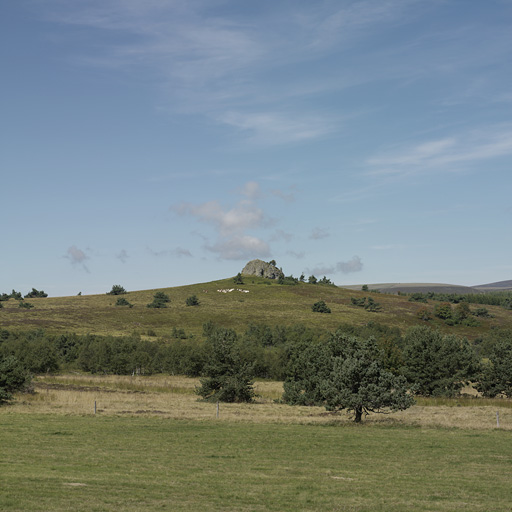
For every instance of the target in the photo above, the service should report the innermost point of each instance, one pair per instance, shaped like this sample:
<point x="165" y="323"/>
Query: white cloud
<point x="240" y="247"/>
<point x="232" y="224"/>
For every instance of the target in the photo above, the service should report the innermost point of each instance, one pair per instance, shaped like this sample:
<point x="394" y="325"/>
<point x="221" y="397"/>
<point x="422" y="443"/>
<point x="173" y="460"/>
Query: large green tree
<point x="13" y="377"/>
<point x="226" y="376"/>
<point x="496" y="377"/>
<point x="437" y="364"/>
<point x="345" y="373"/>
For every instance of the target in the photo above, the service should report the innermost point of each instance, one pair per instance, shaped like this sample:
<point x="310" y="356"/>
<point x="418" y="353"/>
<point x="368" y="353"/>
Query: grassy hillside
<point x="264" y="302"/>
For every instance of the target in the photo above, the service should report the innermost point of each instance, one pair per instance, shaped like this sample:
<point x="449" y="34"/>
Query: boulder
<point x="261" y="268"/>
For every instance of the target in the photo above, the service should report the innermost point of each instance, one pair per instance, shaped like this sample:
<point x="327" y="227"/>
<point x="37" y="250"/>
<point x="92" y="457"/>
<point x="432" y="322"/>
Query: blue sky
<point x="158" y="143"/>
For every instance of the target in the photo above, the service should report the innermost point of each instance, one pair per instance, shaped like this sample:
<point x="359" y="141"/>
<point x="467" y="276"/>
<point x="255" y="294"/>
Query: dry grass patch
<point x="174" y="397"/>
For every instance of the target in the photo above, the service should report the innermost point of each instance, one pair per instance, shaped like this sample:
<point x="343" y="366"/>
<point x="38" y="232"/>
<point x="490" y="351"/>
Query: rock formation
<point x="261" y="269"/>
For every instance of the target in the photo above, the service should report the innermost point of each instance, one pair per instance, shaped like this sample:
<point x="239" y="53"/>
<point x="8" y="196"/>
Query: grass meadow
<point x="153" y="446"/>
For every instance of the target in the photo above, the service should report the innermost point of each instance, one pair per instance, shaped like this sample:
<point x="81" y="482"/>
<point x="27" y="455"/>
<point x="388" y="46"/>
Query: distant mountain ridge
<point x="395" y="288"/>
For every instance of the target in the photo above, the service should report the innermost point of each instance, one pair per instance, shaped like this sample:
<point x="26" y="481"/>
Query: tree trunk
<point x="359" y="414"/>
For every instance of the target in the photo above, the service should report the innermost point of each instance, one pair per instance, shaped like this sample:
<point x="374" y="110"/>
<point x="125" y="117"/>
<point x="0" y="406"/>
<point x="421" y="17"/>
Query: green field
<point x="97" y="463"/>
<point x="265" y="302"/>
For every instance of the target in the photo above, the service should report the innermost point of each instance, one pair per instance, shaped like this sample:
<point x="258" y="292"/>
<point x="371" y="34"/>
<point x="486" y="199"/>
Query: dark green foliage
<point x="359" y="382"/>
<point x="312" y="280"/>
<point x="227" y="378"/>
<point x="482" y="312"/>
<point x="417" y="297"/>
<point x="302" y="277"/>
<point x="238" y="279"/>
<point x="160" y="299"/>
<point x="367" y="303"/>
<point x="496" y="376"/>
<point x="179" y="334"/>
<point x="320" y="307"/>
<point x="345" y="373"/>
<point x="324" y="280"/>
<point x="117" y="289"/>
<point x="25" y="305"/>
<point x="424" y="314"/>
<point x="289" y="280"/>
<point x="36" y="294"/>
<point x="15" y="295"/>
<point x="364" y="288"/>
<point x="192" y="301"/>
<point x="437" y="365"/>
<point x="35" y="351"/>
<point x="372" y="306"/>
<point x="13" y="377"/>
<point x="121" y="301"/>
<point x="443" y="310"/>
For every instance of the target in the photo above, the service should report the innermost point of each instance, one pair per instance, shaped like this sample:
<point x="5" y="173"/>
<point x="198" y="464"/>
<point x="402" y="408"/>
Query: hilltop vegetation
<point x="230" y="305"/>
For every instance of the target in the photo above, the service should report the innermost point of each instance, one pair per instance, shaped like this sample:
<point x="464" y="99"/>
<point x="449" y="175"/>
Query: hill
<point x="500" y="286"/>
<point x="257" y="301"/>
<point x="417" y="288"/>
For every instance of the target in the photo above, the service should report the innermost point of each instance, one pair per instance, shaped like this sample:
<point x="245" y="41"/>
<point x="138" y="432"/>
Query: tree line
<point x="364" y="369"/>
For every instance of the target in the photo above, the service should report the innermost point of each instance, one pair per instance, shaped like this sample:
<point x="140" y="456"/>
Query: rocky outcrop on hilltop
<point x="261" y="268"/>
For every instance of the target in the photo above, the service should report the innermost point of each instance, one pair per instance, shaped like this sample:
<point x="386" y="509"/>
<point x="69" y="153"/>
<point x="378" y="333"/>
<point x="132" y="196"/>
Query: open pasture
<point x="153" y="446"/>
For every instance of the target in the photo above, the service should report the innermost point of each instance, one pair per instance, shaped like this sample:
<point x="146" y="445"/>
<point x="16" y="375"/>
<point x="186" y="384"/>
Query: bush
<point x="13" y="377"/>
<point x="121" y="301"/>
<point x="35" y="294"/>
<point x="25" y="305"/>
<point x="160" y="299"/>
<point x="192" y="301"/>
<point x="117" y="289"/>
<point x="424" y="314"/>
<point x="320" y="307"/>
<point x="238" y="279"/>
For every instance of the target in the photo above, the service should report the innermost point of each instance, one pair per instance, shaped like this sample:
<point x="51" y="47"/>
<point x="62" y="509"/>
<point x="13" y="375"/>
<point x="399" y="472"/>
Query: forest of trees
<point x="382" y="368"/>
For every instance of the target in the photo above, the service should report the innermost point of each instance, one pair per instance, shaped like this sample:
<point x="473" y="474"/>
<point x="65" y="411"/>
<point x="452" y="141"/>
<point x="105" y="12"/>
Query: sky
<point x="160" y="143"/>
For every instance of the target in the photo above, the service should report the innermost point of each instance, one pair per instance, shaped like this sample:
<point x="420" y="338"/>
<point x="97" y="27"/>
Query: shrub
<point x="160" y="299"/>
<point x="238" y="279"/>
<point x="417" y="297"/>
<point x="121" y="301"/>
<point x="320" y="307"/>
<point x="25" y="305"/>
<point x="192" y="301"/>
<point x="443" y="310"/>
<point x="424" y="314"/>
<point x="35" y="294"/>
<point x="117" y="289"/>
<point x="13" y="377"/>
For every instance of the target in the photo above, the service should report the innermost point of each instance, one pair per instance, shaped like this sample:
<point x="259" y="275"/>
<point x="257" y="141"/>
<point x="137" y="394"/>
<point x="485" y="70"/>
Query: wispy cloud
<point x="318" y="234"/>
<point x="223" y="65"/>
<point x="355" y="264"/>
<point x="445" y="154"/>
<point x="178" y="252"/>
<point x="122" y="256"/>
<point x="77" y="257"/>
